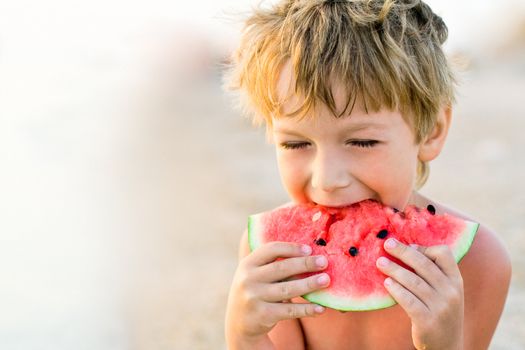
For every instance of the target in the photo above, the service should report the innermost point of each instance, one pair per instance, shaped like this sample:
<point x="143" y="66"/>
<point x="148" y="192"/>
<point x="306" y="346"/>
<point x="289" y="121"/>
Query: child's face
<point x="339" y="161"/>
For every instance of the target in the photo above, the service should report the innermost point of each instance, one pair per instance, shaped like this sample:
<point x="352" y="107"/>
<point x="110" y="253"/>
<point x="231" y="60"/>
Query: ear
<point x="433" y="143"/>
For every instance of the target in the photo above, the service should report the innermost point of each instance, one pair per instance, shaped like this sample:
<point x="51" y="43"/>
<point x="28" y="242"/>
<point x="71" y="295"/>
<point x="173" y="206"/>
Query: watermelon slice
<point x="352" y="240"/>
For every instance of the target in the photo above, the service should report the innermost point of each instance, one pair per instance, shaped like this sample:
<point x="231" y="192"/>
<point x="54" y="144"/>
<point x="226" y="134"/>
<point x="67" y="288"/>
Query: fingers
<point x="432" y="308"/>
<point x="408" y="301"/>
<point x="285" y="311"/>
<point x="416" y="258"/>
<point x="442" y="256"/>
<point x="268" y="252"/>
<point x="290" y="289"/>
<point x="257" y="296"/>
<point x="436" y="279"/>
<point x="418" y="287"/>
<point x="270" y="274"/>
<point x="283" y="269"/>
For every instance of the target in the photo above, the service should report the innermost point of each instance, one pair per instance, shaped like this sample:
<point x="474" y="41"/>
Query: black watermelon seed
<point x="353" y="251"/>
<point x="382" y="234"/>
<point x="431" y="209"/>
<point x="396" y="210"/>
<point x="320" y="241"/>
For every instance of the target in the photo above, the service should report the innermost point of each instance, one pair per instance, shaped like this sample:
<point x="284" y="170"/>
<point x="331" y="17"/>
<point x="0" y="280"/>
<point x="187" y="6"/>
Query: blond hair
<point x="386" y="52"/>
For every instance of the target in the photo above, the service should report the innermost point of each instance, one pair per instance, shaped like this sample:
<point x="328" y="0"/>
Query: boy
<point x="356" y="95"/>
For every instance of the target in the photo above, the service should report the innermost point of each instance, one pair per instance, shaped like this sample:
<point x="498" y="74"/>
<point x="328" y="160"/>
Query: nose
<point x="330" y="172"/>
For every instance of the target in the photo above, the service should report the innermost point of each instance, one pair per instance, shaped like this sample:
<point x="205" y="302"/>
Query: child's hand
<point x="432" y="296"/>
<point x="258" y="294"/>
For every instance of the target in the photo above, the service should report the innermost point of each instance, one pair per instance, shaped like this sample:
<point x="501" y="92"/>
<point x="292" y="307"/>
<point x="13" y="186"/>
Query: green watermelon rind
<point x="381" y="301"/>
<point x="463" y="244"/>
<point x="253" y="228"/>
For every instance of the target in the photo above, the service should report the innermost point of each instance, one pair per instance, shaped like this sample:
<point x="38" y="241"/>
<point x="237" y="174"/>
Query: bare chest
<point x="383" y="329"/>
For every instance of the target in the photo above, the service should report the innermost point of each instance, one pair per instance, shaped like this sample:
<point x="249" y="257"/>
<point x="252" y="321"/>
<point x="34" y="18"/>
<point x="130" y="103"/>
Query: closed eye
<point x="294" y="145"/>
<point x="357" y="143"/>
<point x="363" y="143"/>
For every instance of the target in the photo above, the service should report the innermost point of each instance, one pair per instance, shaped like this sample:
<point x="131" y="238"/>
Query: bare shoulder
<point x="488" y="256"/>
<point x="486" y="270"/>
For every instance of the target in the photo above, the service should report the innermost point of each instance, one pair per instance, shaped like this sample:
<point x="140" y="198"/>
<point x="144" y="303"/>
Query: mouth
<point x="339" y="206"/>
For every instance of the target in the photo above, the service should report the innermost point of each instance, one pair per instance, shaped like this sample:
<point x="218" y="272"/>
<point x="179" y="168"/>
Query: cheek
<point x="391" y="175"/>
<point x="403" y="176"/>
<point x="293" y="171"/>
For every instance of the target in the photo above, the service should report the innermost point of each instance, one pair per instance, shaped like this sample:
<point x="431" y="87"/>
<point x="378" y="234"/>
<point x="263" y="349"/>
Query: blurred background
<point x="126" y="177"/>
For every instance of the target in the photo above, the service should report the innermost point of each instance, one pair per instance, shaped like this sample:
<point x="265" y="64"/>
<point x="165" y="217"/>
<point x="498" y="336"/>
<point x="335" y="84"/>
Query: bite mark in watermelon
<point x="352" y="240"/>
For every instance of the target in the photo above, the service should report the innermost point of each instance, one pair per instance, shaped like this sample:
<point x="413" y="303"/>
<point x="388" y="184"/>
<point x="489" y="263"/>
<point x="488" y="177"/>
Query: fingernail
<point x="319" y="309"/>
<point x="390" y="243"/>
<point x="321" y="261"/>
<point x="307" y="250"/>
<point x="382" y="261"/>
<point x="415" y="246"/>
<point x="388" y="281"/>
<point x="323" y="279"/>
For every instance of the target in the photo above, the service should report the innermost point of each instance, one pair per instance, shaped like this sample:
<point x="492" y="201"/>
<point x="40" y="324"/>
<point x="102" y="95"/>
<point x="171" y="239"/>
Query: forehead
<point x="324" y="123"/>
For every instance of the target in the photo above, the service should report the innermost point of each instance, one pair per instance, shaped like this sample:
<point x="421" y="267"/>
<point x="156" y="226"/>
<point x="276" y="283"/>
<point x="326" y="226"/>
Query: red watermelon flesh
<point x="352" y="239"/>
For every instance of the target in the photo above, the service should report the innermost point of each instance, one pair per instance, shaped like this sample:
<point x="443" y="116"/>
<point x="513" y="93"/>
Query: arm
<point x="486" y="271"/>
